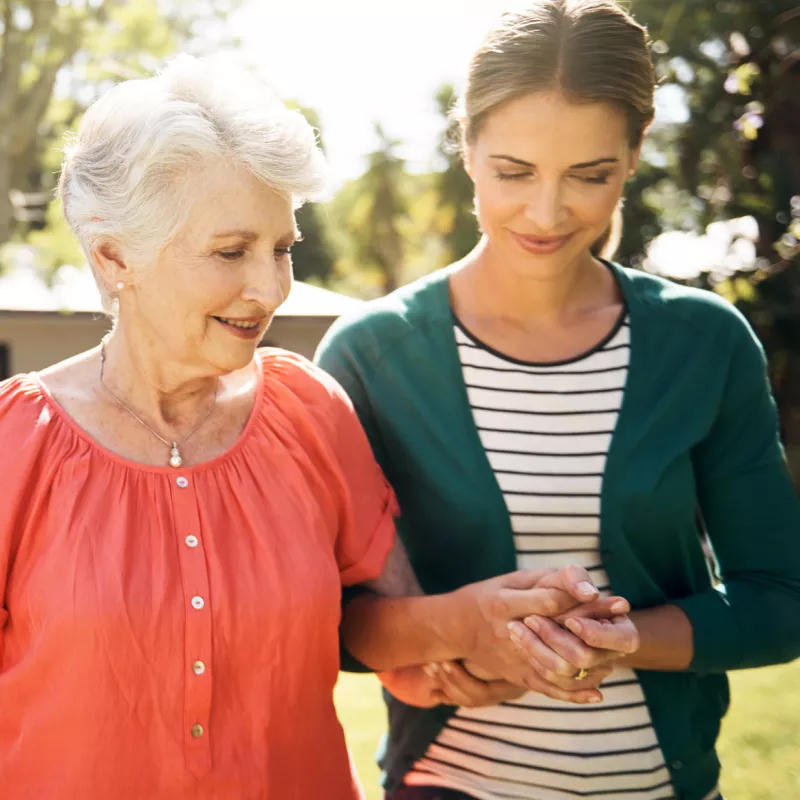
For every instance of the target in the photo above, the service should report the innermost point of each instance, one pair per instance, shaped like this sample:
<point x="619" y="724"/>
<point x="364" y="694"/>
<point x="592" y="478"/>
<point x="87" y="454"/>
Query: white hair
<point x="123" y="173"/>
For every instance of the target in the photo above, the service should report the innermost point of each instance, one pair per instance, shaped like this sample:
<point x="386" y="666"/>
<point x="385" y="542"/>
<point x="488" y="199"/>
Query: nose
<point x="544" y="206"/>
<point x="267" y="282"/>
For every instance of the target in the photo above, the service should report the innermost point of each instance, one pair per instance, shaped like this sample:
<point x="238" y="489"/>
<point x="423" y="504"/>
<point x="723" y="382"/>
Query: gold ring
<point x="582" y="673"/>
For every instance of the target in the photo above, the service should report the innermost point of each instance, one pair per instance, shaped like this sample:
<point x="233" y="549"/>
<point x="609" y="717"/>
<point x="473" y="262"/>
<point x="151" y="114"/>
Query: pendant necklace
<point x="175" y="458"/>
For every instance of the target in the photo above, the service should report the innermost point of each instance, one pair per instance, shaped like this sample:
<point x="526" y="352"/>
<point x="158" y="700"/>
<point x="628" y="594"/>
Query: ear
<point x="467" y="156"/>
<point x="633" y="164"/>
<point x="110" y="263"/>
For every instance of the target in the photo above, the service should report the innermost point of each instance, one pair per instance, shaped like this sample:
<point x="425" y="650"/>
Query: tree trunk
<point x="6" y="209"/>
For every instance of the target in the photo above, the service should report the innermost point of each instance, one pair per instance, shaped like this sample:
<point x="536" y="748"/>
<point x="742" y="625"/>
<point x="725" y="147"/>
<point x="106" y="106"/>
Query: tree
<point x="313" y="256"/>
<point x="736" y="66"/>
<point x="58" y="55"/>
<point x="454" y="219"/>
<point x="374" y="219"/>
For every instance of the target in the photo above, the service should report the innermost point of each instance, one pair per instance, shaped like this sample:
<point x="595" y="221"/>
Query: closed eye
<point x="511" y="176"/>
<point x="596" y="179"/>
<point x="283" y="252"/>
<point x="231" y="255"/>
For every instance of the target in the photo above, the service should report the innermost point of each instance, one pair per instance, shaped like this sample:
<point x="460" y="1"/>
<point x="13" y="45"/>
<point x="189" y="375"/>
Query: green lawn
<point x="760" y="744"/>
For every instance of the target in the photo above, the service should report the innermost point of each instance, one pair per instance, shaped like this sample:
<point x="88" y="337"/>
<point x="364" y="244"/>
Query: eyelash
<point x="235" y="255"/>
<point x="513" y="176"/>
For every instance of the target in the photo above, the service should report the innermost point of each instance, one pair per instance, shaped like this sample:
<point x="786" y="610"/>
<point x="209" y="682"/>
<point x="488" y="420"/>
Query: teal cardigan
<point x="697" y="431"/>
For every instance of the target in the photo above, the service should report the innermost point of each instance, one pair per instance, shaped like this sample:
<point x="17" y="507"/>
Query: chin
<point x="233" y="359"/>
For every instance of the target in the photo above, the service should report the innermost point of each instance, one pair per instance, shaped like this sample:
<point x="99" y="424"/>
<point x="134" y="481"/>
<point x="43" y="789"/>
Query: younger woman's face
<point x="548" y="174"/>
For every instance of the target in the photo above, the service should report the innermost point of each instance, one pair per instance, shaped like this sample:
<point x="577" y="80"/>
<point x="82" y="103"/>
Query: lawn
<point x="760" y="744"/>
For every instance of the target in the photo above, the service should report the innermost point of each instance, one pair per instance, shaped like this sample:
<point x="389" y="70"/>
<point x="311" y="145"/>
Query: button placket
<point x="197" y="652"/>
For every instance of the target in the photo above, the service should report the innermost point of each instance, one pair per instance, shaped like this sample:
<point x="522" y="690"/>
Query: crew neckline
<point x="139" y="466"/>
<point x="615" y="329"/>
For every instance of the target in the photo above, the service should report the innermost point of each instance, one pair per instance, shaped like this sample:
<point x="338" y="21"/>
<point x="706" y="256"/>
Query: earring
<point x="120" y="285"/>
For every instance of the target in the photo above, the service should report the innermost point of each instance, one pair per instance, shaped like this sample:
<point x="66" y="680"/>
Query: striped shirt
<point x="546" y="430"/>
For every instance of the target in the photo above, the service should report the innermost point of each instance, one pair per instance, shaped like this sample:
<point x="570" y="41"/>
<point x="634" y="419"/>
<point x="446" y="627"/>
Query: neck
<point x="169" y="396"/>
<point x="496" y="290"/>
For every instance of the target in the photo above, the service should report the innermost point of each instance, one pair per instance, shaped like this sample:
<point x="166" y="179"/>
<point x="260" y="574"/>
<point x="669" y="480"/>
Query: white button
<point x="182" y="482"/>
<point x="191" y="541"/>
<point x="198" y="602"/>
<point x="197" y="731"/>
<point x="198" y="667"/>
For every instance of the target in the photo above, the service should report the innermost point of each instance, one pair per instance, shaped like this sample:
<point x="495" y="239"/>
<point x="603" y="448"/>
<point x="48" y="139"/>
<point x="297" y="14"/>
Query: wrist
<point x="454" y="624"/>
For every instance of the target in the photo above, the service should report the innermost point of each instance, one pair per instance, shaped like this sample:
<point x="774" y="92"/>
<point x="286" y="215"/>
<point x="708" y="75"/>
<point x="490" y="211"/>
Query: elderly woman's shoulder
<point x="24" y="420"/>
<point x="298" y="375"/>
<point x="20" y="396"/>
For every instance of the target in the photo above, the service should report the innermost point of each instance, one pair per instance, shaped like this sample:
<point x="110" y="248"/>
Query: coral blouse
<point x="170" y="634"/>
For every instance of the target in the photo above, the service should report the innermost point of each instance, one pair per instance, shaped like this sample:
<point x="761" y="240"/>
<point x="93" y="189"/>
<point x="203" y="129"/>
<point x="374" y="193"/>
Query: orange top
<point x="169" y="634"/>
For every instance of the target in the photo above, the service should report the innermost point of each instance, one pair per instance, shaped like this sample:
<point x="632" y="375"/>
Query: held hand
<point x="458" y="688"/>
<point x="572" y="691"/>
<point x="583" y="644"/>
<point x="500" y="601"/>
<point x="412" y="686"/>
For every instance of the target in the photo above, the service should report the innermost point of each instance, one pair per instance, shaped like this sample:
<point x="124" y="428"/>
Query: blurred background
<point x="716" y="202"/>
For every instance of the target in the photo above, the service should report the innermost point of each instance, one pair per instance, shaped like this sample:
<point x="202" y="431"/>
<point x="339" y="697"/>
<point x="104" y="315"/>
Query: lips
<point x="251" y="328"/>
<point x="541" y="245"/>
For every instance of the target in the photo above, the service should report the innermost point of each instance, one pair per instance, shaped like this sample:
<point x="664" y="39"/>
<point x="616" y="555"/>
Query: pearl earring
<point x="120" y="285"/>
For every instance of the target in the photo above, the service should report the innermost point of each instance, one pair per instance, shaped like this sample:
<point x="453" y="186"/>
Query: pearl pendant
<point x="175" y="459"/>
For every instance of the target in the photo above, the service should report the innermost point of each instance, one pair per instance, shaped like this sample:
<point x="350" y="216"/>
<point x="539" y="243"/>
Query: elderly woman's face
<point x="215" y="288"/>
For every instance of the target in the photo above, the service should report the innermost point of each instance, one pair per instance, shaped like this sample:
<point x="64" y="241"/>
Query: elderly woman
<point x="180" y="512"/>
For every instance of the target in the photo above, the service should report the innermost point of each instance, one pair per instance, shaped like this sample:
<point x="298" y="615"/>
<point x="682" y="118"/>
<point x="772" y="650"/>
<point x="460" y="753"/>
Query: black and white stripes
<point x="546" y="430"/>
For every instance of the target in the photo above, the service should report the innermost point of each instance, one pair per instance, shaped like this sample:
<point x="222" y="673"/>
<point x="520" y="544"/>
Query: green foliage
<point x="59" y="55"/>
<point x="313" y="258"/>
<point x="372" y="215"/>
<point x="454" y="218"/>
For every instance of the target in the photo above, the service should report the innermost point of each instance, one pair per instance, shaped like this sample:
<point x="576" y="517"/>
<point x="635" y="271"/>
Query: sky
<point x="357" y="62"/>
<point x="361" y="61"/>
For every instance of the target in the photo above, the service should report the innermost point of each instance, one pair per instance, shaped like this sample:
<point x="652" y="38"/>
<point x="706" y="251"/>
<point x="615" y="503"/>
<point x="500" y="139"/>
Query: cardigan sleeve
<point x="752" y="516"/>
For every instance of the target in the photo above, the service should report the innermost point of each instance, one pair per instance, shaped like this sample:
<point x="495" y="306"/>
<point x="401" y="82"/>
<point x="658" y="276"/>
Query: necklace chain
<point x="175" y="459"/>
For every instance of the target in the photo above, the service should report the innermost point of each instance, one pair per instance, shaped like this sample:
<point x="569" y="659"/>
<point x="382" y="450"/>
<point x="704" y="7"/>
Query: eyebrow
<point x="293" y="235"/>
<point x="583" y="165"/>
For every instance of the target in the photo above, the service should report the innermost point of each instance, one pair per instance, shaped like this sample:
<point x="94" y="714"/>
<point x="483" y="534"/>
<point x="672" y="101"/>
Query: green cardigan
<point x="697" y="430"/>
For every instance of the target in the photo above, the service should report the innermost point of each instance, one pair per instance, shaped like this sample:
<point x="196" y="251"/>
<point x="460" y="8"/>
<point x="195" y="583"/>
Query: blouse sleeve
<point x="368" y="505"/>
<point x="361" y="499"/>
<point x="752" y="515"/>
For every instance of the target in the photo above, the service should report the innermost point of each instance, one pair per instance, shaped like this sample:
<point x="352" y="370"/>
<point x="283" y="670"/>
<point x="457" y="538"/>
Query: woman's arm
<point x="662" y="641"/>
<point x="389" y="632"/>
<point x="752" y="516"/>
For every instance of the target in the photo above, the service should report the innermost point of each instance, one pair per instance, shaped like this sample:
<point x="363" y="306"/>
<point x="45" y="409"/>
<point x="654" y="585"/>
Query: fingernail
<point x="573" y="625"/>
<point x="447" y="668"/>
<point x="533" y="623"/>
<point x="595" y="699"/>
<point x="514" y="632"/>
<point x="619" y="607"/>
<point x="584" y="587"/>
<point x="429" y="670"/>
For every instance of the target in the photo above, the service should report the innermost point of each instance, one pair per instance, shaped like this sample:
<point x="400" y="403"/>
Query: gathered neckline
<point x="138" y="466"/>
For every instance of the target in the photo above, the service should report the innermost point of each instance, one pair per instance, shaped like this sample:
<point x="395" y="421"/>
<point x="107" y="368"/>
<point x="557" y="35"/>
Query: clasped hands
<point x="546" y="631"/>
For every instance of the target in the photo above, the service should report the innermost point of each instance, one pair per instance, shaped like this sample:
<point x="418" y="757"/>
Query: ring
<point x="582" y="673"/>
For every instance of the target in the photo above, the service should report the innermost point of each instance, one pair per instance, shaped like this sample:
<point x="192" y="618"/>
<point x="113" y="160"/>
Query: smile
<point x="242" y="328"/>
<point x="541" y="245"/>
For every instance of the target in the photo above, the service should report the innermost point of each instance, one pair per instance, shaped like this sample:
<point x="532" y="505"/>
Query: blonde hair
<point x="591" y="50"/>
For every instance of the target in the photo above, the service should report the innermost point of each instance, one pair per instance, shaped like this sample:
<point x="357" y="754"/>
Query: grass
<point x="760" y="745"/>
